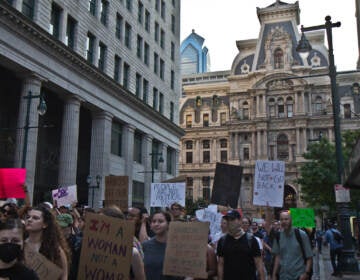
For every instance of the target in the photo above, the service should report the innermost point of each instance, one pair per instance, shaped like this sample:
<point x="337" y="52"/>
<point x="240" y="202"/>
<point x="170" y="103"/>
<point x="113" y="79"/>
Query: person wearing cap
<point x="238" y="252"/>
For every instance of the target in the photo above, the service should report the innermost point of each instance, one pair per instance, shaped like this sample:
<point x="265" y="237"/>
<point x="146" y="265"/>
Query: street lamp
<point x="41" y="110"/>
<point x="97" y="186"/>
<point x="348" y="260"/>
<point x="155" y="157"/>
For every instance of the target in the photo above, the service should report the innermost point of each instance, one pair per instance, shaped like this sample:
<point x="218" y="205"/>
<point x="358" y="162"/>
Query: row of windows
<point x="138" y="151"/>
<point x="205" y="120"/>
<point x="206" y="151"/>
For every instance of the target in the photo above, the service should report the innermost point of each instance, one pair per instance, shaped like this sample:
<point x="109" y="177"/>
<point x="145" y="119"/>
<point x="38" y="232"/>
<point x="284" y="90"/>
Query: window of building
<point x="289" y="107"/>
<point x="104" y="12"/>
<point x="138" y="194"/>
<point x="28" y="8"/>
<point x="206" y="120"/>
<point x="118" y="27"/>
<point x="140" y="12"/>
<point x="128" y="35"/>
<point x="90" y="47"/>
<point x="206" y="144"/>
<point x="206" y="156"/>
<point x="126" y="76"/>
<point x="147" y="20"/>
<point x="129" y="5"/>
<point x="156" y="63"/>
<point x="155" y="98"/>
<point x="138" y="85"/>
<point x="163" y="9"/>
<point x="70" y="32"/>
<point x="170" y="156"/>
<point x="245" y="107"/>
<point x="188" y="121"/>
<point x="318" y="105"/>
<point x="155" y="151"/>
<point x="222" y="118"/>
<point x="172" y="79"/>
<point x="246" y="153"/>
<point x="139" y="45"/>
<point x="272" y="107"/>
<point x="162" y="39"/>
<point x="156" y="32"/>
<point x="161" y="103"/>
<point x="145" y="90"/>
<point x="137" y="147"/>
<point x="223" y="143"/>
<point x="171" y="111"/>
<point x="92" y="7"/>
<point x="347" y="111"/>
<point x="278" y="59"/>
<point x="117" y="65"/>
<point x="116" y="139"/>
<point x="162" y="69"/>
<point x="282" y="147"/>
<point x="281" y="108"/>
<point x="206" y="193"/>
<point x="173" y="24"/>
<point x="206" y="181"/>
<point x="172" y="52"/>
<point x="157" y="5"/>
<point x="189" y="157"/>
<point x="55" y="21"/>
<point x="146" y="53"/>
<point x="189" y="145"/>
<point x="102" y="56"/>
<point x="223" y="156"/>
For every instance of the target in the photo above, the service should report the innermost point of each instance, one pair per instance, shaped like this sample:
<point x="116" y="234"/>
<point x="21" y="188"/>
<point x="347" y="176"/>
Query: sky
<point x="222" y="22"/>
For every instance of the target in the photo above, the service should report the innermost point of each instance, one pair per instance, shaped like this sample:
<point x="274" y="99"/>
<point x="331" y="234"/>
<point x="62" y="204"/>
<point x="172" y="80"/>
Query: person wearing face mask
<point x="11" y="251"/>
<point x="238" y="252"/>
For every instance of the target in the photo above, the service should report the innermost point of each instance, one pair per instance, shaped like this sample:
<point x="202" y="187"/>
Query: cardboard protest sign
<point x="106" y="248"/>
<point x="186" y="249"/>
<point x="45" y="269"/>
<point x="269" y="183"/>
<point x="12" y="181"/>
<point x="302" y="217"/>
<point x="165" y="194"/>
<point x="65" y="196"/>
<point x="117" y="191"/>
<point x="227" y="184"/>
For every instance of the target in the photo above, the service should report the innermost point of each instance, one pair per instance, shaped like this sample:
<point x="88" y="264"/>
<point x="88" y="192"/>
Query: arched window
<point x="272" y="107"/>
<point x="281" y="108"/>
<point x="245" y="107"/>
<point x="289" y="107"/>
<point x="278" y="59"/>
<point x="282" y="147"/>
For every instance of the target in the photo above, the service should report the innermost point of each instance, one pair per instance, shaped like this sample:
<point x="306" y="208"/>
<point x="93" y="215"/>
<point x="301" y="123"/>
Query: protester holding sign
<point x="46" y="238"/>
<point x="11" y="251"/>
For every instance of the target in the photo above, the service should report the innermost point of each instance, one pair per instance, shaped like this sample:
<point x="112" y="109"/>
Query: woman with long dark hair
<point x="45" y="237"/>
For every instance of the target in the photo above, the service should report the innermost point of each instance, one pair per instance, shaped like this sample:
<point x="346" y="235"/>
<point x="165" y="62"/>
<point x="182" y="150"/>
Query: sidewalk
<point x="325" y="268"/>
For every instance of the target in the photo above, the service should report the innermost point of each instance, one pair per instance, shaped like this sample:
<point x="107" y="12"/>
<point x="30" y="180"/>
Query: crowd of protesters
<point x="246" y="250"/>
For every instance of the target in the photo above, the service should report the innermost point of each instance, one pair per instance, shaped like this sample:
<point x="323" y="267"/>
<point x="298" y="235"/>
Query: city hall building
<point x="270" y="105"/>
<point x="108" y="72"/>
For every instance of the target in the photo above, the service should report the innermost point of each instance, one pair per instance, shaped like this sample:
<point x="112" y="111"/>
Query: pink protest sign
<point x="12" y="181"/>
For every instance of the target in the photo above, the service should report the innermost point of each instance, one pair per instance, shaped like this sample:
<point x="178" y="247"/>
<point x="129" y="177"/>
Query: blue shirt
<point x="329" y="236"/>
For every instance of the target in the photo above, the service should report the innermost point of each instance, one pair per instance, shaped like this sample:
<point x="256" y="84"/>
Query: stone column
<point x="296" y="107"/>
<point x="163" y="166"/>
<point x="298" y="144"/>
<point x="304" y="140"/>
<point x="257" y="106"/>
<point x="100" y="152"/>
<point x="69" y="142"/>
<point x="197" y="151"/>
<point x="215" y="151"/>
<point x="176" y="161"/>
<point x="263" y="106"/>
<point x="128" y="149"/>
<point x="26" y="139"/>
<point x="259" y="152"/>
<point x="63" y="24"/>
<point x="253" y="145"/>
<point x="266" y="147"/>
<point x="147" y="165"/>
<point x="236" y="145"/>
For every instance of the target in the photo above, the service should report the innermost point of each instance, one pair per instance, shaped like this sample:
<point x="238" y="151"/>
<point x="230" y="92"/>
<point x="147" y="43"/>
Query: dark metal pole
<point x="26" y="128"/>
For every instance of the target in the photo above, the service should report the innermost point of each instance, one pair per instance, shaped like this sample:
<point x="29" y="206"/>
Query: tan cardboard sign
<point x="117" y="191"/>
<point x="106" y="248"/>
<point x="186" y="249"/>
<point x="45" y="269"/>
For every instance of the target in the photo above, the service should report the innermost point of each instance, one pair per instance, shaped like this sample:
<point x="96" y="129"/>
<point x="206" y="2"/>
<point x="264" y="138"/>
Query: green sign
<point x="302" y="217"/>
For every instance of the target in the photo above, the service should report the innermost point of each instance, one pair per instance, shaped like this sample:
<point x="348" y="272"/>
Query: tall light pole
<point x="41" y="110"/>
<point x="348" y="261"/>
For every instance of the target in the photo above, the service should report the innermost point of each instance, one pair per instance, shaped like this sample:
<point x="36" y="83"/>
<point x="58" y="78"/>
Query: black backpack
<point x="300" y="241"/>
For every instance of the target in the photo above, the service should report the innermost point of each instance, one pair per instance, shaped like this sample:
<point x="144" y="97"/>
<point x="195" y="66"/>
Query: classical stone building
<point x="109" y="73"/>
<point x="270" y="105"/>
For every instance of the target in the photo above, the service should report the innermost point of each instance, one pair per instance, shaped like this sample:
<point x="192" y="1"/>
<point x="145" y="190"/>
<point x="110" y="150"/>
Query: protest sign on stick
<point x="165" y="194"/>
<point x="302" y="217"/>
<point x="12" y="182"/>
<point x="117" y="191"/>
<point x="106" y="248"/>
<point x="186" y="249"/>
<point x="45" y="269"/>
<point x="65" y="196"/>
<point x="269" y="183"/>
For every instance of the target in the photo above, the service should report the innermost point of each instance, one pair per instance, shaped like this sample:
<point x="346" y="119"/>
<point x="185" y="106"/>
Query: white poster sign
<point x="341" y="194"/>
<point x="269" y="183"/>
<point x="165" y="194"/>
<point x="65" y="196"/>
<point x="211" y="215"/>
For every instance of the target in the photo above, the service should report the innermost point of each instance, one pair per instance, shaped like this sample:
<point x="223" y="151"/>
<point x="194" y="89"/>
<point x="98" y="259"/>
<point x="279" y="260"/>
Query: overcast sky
<point x="222" y="22"/>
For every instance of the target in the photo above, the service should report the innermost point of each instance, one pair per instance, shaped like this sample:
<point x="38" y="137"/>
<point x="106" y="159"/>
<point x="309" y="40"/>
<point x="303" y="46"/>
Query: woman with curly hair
<point x="45" y="237"/>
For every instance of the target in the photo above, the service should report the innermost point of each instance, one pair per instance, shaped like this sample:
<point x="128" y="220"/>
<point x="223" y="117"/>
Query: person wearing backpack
<point x="334" y="237"/>
<point x="238" y="252"/>
<point x="292" y="250"/>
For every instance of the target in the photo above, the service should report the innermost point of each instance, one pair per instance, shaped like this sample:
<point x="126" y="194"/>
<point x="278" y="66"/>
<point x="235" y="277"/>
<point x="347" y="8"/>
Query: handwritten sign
<point x="165" y="194"/>
<point x="269" y="183"/>
<point x="342" y="194"/>
<point x="106" y="248"/>
<point x="117" y="191"/>
<point x="212" y="216"/>
<point x="65" y="195"/>
<point x="186" y="248"/>
<point x="45" y="269"/>
<point x="12" y="181"/>
<point x="302" y="217"/>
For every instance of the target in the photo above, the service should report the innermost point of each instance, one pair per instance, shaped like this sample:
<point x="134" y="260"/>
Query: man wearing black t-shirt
<point x="238" y="252"/>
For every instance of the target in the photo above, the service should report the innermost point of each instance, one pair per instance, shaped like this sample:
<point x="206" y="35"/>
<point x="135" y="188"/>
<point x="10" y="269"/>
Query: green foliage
<point x="191" y="206"/>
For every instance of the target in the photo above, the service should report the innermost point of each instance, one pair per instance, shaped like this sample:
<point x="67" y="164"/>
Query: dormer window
<point x="278" y="59"/>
